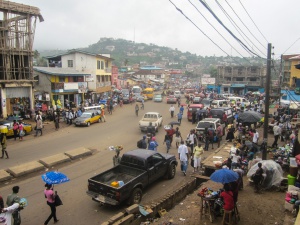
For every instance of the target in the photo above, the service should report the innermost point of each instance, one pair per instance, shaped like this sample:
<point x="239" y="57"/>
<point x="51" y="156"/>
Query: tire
<point x="172" y="171"/>
<point x="136" y="197"/>
<point x="88" y="124"/>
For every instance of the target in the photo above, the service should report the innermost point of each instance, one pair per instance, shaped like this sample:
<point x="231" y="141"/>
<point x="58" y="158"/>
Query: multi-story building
<point x="16" y="57"/>
<point x="96" y="68"/>
<point x="240" y="79"/>
<point x="290" y="72"/>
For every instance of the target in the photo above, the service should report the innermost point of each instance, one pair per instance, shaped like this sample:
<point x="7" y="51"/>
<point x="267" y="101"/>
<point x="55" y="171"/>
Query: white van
<point x="177" y="94"/>
<point x="239" y="100"/>
<point x="219" y="103"/>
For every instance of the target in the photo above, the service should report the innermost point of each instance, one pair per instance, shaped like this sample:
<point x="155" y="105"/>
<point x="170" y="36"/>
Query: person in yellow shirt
<point x="196" y="155"/>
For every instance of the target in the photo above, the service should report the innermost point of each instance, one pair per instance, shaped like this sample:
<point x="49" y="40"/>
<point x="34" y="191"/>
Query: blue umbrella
<point x="224" y="176"/>
<point x="54" y="177"/>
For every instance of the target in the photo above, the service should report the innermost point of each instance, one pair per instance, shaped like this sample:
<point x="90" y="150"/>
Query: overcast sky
<point x="77" y="23"/>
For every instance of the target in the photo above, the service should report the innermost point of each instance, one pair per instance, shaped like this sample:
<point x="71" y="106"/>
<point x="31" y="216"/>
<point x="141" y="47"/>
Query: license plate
<point x="100" y="198"/>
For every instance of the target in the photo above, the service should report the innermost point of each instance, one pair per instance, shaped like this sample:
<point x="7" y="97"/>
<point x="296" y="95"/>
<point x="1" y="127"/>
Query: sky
<point x="70" y="24"/>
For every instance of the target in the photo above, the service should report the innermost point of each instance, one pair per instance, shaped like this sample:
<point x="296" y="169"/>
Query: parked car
<point x="26" y="127"/>
<point x="157" y="98"/>
<point x="218" y="113"/>
<point x="171" y="99"/>
<point x="206" y="123"/>
<point x="196" y="100"/>
<point x="87" y="118"/>
<point x="126" y="181"/>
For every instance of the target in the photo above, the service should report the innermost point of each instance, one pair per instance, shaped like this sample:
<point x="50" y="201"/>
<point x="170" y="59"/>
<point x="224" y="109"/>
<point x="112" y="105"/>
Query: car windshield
<point x="86" y="115"/>
<point x="157" y="96"/>
<point x="217" y="113"/>
<point x="205" y="101"/>
<point x="204" y="125"/>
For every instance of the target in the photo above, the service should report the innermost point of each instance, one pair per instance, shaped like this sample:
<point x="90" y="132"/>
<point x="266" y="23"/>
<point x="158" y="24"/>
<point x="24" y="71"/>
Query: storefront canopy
<point x="238" y="85"/>
<point x="56" y="71"/>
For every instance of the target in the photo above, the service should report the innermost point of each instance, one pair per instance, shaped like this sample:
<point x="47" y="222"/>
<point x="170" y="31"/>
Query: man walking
<point x="172" y="110"/>
<point x="39" y="127"/>
<point x="179" y="117"/>
<point x="12" y="199"/>
<point x="183" y="153"/>
<point x="277" y="133"/>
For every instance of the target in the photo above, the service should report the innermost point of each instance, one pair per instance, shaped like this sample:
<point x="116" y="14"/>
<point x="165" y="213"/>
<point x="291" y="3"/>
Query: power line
<point x="238" y="29"/>
<point x="291" y="45"/>
<point x="218" y="31"/>
<point x="245" y="26"/>
<point x="179" y="10"/>
<point x="228" y="30"/>
<point x="254" y="22"/>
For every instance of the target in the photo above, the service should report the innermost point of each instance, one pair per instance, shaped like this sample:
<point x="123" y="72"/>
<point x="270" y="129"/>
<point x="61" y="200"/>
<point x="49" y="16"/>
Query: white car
<point x="154" y="117"/>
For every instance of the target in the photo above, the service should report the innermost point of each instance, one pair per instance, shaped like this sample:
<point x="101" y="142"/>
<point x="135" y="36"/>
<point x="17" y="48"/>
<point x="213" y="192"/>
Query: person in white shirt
<point x="190" y="139"/>
<point x="277" y="133"/>
<point x="172" y="110"/>
<point x="235" y="160"/>
<point x="5" y="214"/>
<point x="255" y="137"/>
<point x="183" y="153"/>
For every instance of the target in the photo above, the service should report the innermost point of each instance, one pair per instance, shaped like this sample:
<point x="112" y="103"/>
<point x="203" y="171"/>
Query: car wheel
<point x="88" y="124"/>
<point x="135" y="197"/>
<point x="172" y="171"/>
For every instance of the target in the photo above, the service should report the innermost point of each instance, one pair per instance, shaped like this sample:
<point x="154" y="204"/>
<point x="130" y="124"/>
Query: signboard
<point x="89" y="78"/>
<point x="210" y="80"/>
<point x="206" y="75"/>
<point x="71" y="86"/>
<point x="82" y="87"/>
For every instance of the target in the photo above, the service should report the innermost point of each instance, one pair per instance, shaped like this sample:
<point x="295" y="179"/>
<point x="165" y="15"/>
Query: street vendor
<point x="227" y="197"/>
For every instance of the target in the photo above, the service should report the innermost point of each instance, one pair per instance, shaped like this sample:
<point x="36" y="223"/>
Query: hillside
<point x="128" y="53"/>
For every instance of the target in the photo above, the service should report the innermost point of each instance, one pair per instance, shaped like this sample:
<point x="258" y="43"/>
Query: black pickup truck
<point x="137" y="169"/>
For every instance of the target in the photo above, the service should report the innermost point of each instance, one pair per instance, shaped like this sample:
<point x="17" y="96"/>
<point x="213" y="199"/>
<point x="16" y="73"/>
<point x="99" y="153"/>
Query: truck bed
<point x="118" y="173"/>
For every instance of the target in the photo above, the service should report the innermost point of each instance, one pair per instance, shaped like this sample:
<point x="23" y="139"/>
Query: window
<point x="61" y="79"/>
<point x="98" y="65"/>
<point x="106" y="64"/>
<point x="70" y="63"/>
<point x="252" y="79"/>
<point x="253" y="70"/>
<point x="239" y="79"/>
<point x="157" y="158"/>
<point x="102" y="65"/>
<point x="98" y="78"/>
<point x="228" y="70"/>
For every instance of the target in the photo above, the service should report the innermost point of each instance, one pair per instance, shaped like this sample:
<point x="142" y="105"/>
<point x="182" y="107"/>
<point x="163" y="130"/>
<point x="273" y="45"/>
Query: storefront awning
<point x="238" y="85"/>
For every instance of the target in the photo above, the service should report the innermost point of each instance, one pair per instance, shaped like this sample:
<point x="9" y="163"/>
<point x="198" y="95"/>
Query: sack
<point x="22" y="133"/>
<point x="140" y="144"/>
<point x="57" y="200"/>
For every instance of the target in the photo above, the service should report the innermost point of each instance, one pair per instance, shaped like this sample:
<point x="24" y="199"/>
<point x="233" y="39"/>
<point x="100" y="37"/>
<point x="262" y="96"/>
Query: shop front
<point x="238" y="89"/>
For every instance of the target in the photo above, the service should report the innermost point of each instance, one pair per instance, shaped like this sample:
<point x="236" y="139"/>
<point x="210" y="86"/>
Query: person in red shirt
<point x="224" y="119"/>
<point x="170" y="133"/>
<point x="227" y="197"/>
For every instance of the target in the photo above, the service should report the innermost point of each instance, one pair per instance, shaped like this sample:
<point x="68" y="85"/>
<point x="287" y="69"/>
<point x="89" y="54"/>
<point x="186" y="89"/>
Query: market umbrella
<point x="55" y="177"/>
<point x="250" y="117"/>
<point x="224" y="176"/>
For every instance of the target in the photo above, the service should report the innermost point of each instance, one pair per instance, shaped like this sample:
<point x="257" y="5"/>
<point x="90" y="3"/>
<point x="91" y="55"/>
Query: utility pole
<point x="267" y="104"/>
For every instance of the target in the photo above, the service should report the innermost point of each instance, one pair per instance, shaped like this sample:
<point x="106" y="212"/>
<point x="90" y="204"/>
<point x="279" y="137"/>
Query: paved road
<point x="78" y="208"/>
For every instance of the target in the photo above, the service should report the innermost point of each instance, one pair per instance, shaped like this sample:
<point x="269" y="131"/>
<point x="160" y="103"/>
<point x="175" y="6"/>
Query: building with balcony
<point x="59" y="87"/>
<point x="99" y="66"/>
<point x="287" y="69"/>
<point x="240" y="79"/>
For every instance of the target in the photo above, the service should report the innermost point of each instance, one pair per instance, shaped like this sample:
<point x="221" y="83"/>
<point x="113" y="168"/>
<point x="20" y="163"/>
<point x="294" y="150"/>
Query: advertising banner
<point x="82" y="87"/>
<point x="209" y="80"/>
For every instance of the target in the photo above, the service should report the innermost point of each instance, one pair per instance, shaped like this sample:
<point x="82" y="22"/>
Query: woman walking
<point x="39" y="127"/>
<point x="15" y="129"/>
<point x="21" y="131"/>
<point x="50" y="196"/>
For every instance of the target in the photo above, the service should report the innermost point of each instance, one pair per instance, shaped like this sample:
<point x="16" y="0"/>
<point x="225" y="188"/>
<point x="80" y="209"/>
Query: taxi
<point x="87" y="118"/>
<point x="10" y="133"/>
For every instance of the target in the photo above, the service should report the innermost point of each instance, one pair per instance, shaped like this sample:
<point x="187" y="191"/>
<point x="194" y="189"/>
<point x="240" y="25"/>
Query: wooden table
<point x="222" y="151"/>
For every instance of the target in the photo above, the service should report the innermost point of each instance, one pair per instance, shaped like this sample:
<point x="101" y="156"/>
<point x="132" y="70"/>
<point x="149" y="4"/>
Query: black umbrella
<point x="250" y="117"/>
<point x="174" y="123"/>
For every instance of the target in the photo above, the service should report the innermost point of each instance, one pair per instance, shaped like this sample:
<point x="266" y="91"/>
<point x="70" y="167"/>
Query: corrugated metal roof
<point x="57" y="71"/>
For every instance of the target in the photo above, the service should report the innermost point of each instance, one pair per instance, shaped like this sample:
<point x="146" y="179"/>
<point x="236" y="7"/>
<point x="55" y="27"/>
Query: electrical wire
<point x="291" y="45"/>
<point x="179" y="10"/>
<point x="228" y="30"/>
<point x="264" y="46"/>
<point x="253" y="21"/>
<point x="218" y="32"/>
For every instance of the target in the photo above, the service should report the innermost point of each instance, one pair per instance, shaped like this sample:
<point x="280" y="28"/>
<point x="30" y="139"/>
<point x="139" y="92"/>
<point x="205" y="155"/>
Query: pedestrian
<point x="277" y="133"/>
<point x="219" y="132"/>
<point x="56" y="121"/>
<point x="172" y="110"/>
<point x="137" y="108"/>
<point x="11" y="200"/>
<point x="167" y="140"/>
<point x="191" y="139"/>
<point x="103" y="115"/>
<point x="211" y="135"/>
<point x="257" y="177"/>
<point x="117" y="158"/>
<point x="179" y="117"/>
<point x="255" y="137"/>
<point x="181" y="109"/>
<point x="230" y="133"/>
<point x="67" y="116"/>
<point x="6" y="213"/>
<point x="21" y="131"/>
<point x="183" y="153"/>
<point x="224" y="119"/>
<point x="3" y="144"/>
<point x="38" y="127"/>
<point x="50" y="196"/>
<point x="205" y="134"/>
<point x="153" y="144"/>
<point x="71" y="117"/>
<point x="178" y="137"/>
<point x="196" y="155"/>
<point x="171" y="132"/>
<point x="142" y="143"/>
<point x="15" y="129"/>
